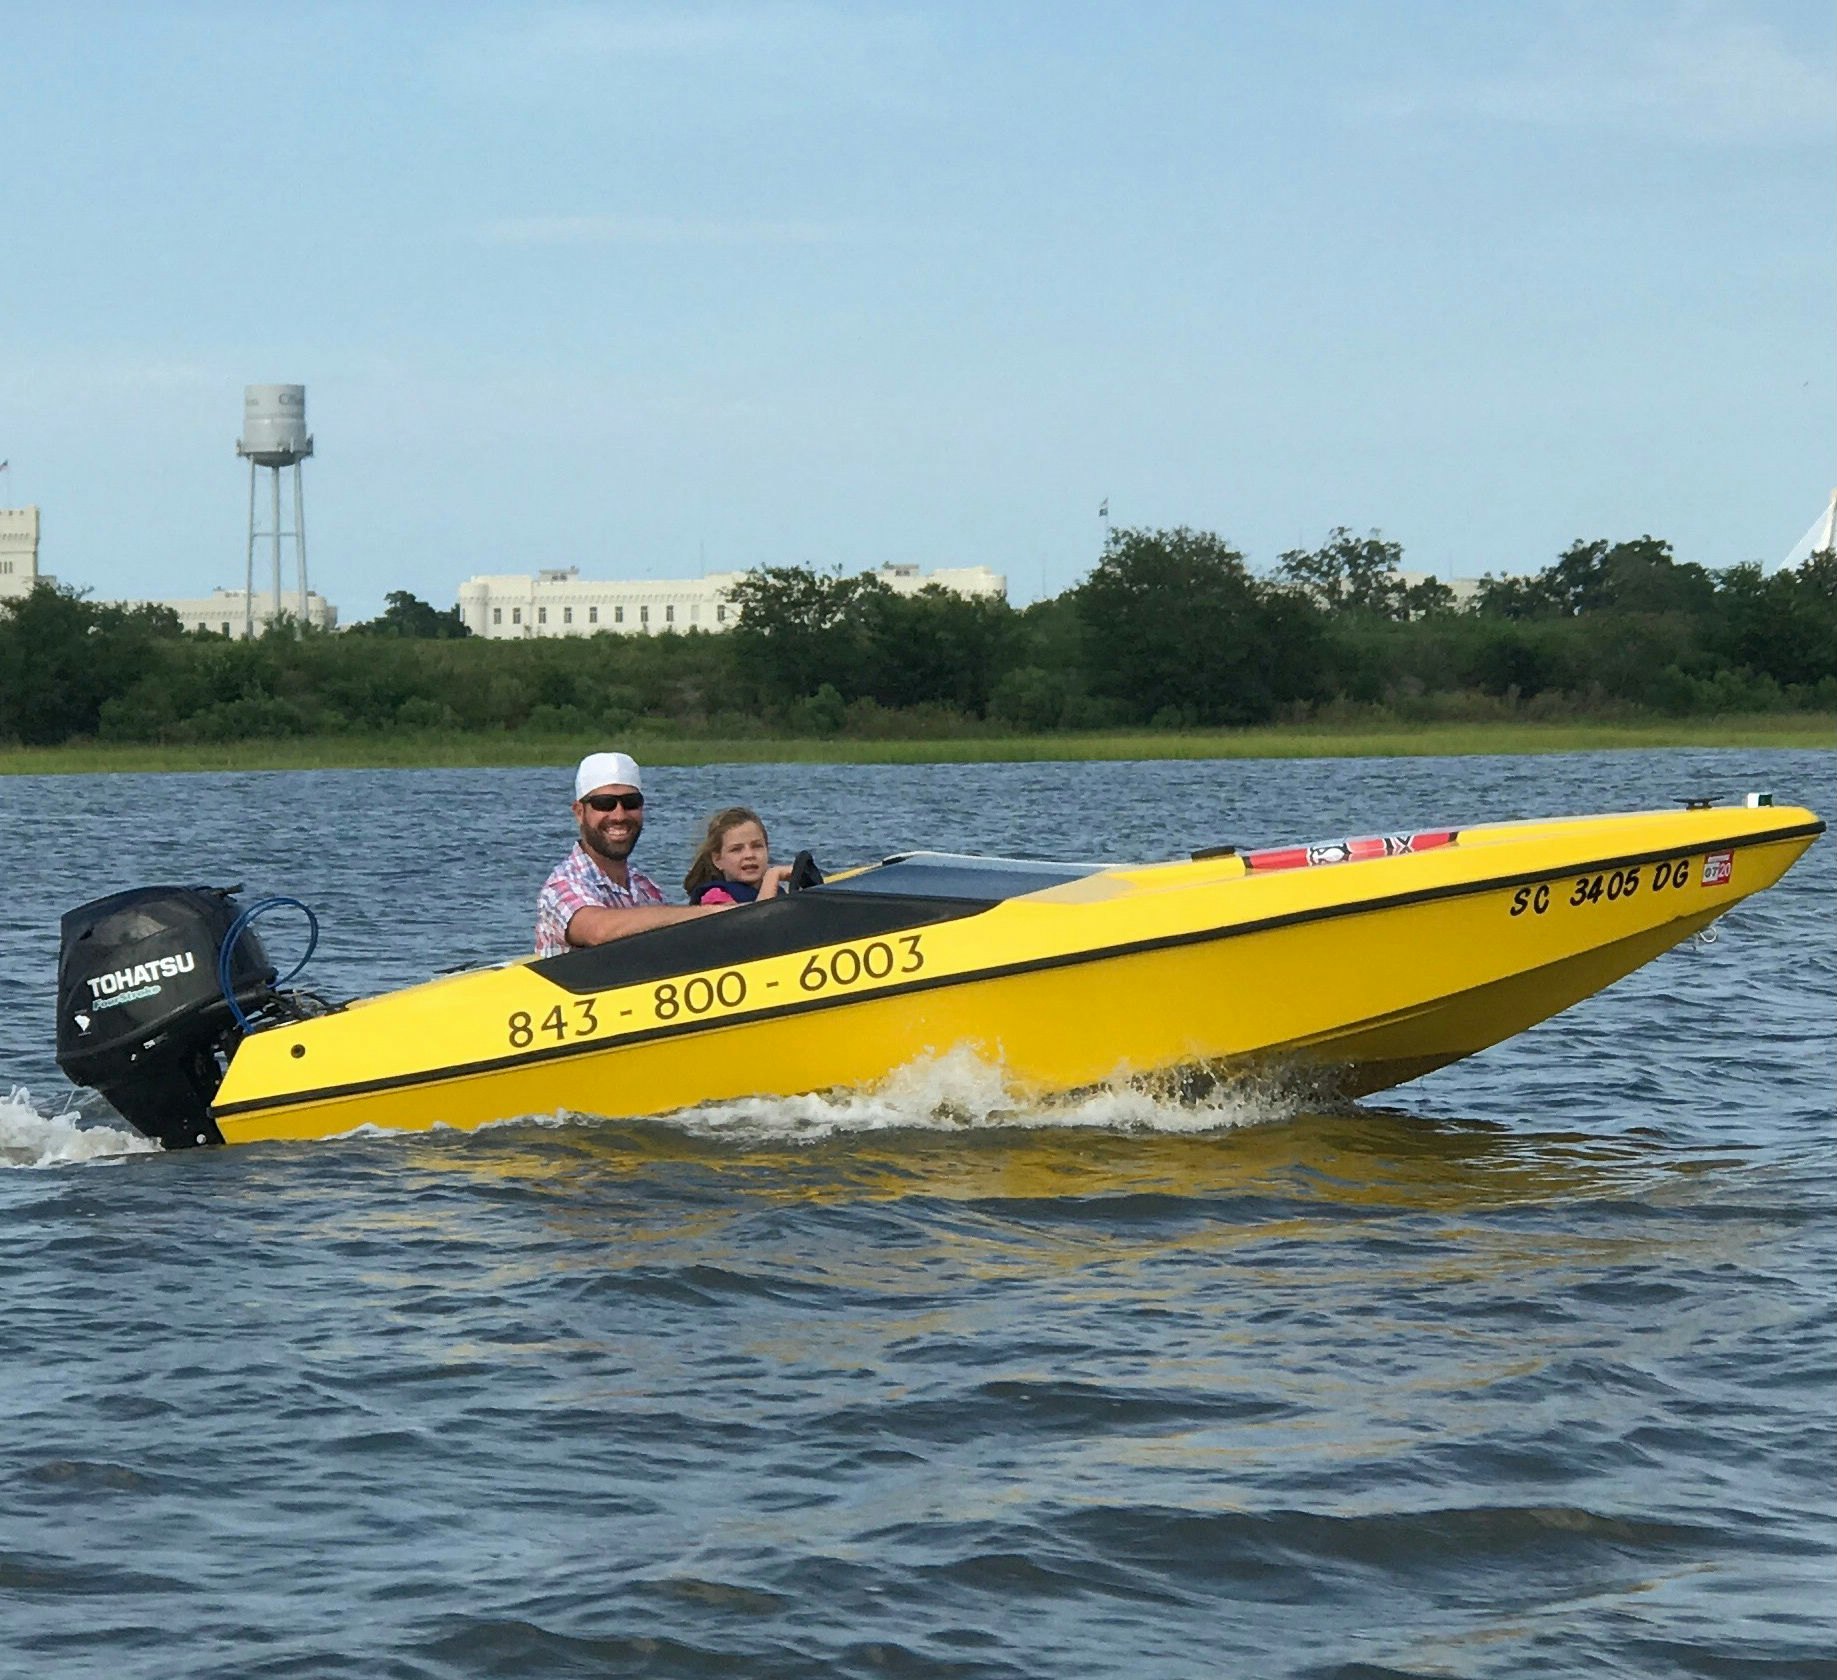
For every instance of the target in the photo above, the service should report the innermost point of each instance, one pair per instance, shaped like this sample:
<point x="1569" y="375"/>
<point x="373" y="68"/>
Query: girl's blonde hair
<point x="703" y="870"/>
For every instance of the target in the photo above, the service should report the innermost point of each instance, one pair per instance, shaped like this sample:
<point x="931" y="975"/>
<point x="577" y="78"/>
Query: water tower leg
<point x="248" y="586"/>
<point x="274" y="475"/>
<point x="299" y="537"/>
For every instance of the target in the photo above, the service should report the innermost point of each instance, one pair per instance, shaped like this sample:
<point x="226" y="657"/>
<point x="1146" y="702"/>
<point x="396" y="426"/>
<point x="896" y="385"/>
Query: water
<point x="1525" y="1369"/>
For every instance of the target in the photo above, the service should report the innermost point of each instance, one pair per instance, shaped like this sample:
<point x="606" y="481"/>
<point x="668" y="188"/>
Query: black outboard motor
<point x="141" y="1015"/>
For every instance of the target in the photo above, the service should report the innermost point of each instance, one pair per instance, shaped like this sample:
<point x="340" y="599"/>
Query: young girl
<point x="732" y="862"/>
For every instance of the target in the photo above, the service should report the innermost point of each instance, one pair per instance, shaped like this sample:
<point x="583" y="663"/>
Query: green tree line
<point x="1169" y="629"/>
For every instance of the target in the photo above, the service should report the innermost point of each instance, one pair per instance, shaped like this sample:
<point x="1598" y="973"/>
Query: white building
<point x="19" y="552"/>
<point x="1465" y="590"/>
<point x="224" y="612"/>
<point x="973" y="581"/>
<point x="560" y="602"/>
<point x="229" y="612"/>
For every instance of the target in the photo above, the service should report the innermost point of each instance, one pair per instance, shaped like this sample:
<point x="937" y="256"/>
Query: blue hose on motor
<point x="227" y="951"/>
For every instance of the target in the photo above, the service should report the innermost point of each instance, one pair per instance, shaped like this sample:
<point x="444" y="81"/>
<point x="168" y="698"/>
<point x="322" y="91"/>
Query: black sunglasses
<point x="614" y="802"/>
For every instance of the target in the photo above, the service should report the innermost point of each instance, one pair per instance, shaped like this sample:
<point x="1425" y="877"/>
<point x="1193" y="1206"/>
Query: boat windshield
<point x="918" y="889"/>
<point x="953" y="875"/>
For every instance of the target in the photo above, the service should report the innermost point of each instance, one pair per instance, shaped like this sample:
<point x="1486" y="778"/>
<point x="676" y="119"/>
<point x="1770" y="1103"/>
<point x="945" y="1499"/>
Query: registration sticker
<point x="1718" y="867"/>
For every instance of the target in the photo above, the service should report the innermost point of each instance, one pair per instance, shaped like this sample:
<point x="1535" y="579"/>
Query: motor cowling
<point x="141" y="1012"/>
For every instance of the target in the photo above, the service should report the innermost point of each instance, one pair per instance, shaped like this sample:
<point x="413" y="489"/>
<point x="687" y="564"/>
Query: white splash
<point x="954" y="1092"/>
<point x="31" y="1139"/>
<point x="958" y="1091"/>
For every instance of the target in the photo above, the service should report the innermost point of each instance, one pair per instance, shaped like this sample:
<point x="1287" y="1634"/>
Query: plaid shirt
<point x="578" y="883"/>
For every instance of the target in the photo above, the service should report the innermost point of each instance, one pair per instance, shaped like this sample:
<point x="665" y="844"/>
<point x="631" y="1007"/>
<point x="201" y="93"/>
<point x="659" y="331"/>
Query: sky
<point x="659" y="289"/>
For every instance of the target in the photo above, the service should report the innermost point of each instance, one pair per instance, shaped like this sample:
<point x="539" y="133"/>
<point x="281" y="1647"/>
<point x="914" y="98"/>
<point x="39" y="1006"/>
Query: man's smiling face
<point x="611" y="818"/>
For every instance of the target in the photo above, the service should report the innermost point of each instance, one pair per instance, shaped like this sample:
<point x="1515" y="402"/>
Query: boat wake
<point x="29" y="1138"/>
<point x="958" y="1092"/>
<point x="955" y="1092"/>
<point x="952" y="1093"/>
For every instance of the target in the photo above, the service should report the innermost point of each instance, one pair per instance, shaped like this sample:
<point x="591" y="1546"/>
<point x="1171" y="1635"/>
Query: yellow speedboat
<point x="1369" y="961"/>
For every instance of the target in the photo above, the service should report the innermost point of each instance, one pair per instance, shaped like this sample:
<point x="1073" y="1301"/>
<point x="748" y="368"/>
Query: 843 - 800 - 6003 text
<point x="696" y="995"/>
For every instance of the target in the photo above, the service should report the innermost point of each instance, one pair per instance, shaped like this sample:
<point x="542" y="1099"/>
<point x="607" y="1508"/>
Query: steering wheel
<point x="804" y="873"/>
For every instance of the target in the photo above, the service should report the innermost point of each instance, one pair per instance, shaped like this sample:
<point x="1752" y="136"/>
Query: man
<point x="594" y="894"/>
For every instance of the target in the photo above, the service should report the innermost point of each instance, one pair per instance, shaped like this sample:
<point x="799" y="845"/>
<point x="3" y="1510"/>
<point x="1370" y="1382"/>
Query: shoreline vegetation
<point x="1399" y="738"/>
<point x="1171" y="648"/>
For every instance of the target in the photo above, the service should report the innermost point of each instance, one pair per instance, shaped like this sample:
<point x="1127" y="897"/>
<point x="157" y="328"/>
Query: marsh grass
<point x="430" y="751"/>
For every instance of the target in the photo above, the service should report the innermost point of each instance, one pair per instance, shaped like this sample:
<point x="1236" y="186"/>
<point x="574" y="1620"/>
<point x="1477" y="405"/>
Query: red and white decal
<point x="1347" y="851"/>
<point x="1718" y="868"/>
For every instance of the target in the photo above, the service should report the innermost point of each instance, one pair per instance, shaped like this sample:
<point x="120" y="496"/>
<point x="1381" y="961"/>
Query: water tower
<point x="274" y="436"/>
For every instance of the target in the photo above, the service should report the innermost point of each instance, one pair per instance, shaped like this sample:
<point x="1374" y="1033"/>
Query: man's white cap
<point x="598" y="770"/>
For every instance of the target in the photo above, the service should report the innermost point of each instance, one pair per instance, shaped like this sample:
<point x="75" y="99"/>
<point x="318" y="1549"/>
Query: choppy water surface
<point x="1526" y="1369"/>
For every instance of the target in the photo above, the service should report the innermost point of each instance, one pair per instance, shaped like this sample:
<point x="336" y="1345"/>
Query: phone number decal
<point x="823" y="972"/>
<point x="522" y="1028"/>
<point x="879" y="959"/>
<point x="1608" y="886"/>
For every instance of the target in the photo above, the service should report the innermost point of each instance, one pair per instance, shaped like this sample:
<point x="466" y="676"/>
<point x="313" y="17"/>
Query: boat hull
<point x="1367" y="973"/>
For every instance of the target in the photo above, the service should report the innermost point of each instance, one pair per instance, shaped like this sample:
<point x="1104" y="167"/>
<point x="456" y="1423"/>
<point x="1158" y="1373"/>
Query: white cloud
<point x="732" y="54"/>
<point x="663" y="230"/>
<point x="1697" y="72"/>
<point x="543" y="39"/>
<point x="91" y="372"/>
